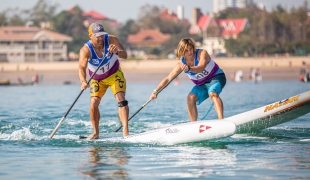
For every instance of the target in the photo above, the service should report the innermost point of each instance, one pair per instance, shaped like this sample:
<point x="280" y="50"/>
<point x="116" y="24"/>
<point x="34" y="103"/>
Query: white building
<point x="219" y="5"/>
<point x="31" y="44"/>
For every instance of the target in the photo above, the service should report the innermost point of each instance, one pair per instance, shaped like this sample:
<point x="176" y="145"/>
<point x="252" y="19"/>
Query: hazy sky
<point x="122" y="10"/>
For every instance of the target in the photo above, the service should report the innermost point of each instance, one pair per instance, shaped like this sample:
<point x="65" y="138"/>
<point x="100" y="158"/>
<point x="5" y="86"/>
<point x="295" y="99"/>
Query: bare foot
<point x="93" y="136"/>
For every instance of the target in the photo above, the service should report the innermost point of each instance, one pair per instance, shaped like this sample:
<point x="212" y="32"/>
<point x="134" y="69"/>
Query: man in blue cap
<point x="110" y="74"/>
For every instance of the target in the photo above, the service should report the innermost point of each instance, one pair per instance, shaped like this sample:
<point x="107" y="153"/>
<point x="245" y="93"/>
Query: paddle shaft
<point x="149" y="100"/>
<point x="63" y="118"/>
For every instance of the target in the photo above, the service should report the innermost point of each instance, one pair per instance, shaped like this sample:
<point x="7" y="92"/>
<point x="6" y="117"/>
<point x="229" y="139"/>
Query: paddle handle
<point x="149" y="100"/>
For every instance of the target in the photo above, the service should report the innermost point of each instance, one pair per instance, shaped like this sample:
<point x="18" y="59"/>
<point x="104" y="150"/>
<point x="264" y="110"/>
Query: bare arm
<point x="116" y="47"/>
<point x="83" y="58"/>
<point x="167" y="79"/>
<point x="204" y="59"/>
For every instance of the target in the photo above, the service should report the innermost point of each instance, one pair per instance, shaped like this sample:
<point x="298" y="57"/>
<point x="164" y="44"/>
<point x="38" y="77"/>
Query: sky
<point x="123" y="10"/>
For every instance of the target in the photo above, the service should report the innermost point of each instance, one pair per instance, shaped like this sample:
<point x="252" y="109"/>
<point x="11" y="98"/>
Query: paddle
<point x="63" y="118"/>
<point x="149" y="100"/>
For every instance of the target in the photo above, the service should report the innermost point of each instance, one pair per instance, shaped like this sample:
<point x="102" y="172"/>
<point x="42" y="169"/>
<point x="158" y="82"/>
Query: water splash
<point x="22" y="134"/>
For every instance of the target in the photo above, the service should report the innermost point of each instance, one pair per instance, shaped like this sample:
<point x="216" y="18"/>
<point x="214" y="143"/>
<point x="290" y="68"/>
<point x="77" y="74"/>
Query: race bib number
<point x="203" y="74"/>
<point x="105" y="68"/>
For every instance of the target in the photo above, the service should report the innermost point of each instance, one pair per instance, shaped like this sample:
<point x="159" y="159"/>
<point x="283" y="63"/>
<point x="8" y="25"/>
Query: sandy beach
<point x="153" y="70"/>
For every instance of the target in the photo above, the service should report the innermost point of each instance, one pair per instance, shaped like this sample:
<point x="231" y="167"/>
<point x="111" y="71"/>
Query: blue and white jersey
<point x="208" y="73"/>
<point x="108" y="67"/>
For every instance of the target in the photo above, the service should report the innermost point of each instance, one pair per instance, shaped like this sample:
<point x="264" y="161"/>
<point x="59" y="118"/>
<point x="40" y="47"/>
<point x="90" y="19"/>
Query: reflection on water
<point x="106" y="162"/>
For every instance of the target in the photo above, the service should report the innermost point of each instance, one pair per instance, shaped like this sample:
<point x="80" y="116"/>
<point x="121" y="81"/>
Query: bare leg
<point x="191" y="107"/>
<point x="123" y="112"/>
<point x="218" y="104"/>
<point x="94" y="116"/>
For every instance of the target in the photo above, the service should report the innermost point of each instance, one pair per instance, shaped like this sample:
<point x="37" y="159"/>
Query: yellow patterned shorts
<point x="116" y="82"/>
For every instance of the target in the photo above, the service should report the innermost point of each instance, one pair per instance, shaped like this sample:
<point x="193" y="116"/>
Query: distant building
<point x="94" y="16"/>
<point x="219" y="5"/>
<point x="31" y="44"/>
<point x="147" y="38"/>
<point x="168" y="14"/>
<point x="215" y="31"/>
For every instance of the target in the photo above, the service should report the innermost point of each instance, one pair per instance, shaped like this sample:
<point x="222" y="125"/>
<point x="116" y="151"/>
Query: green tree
<point x="3" y="19"/>
<point x="130" y="27"/>
<point x="148" y="17"/>
<point x="279" y="31"/>
<point x="13" y="17"/>
<point x="41" y="12"/>
<point x="71" y="23"/>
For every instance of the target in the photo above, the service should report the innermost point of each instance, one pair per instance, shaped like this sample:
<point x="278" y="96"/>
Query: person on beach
<point x="96" y="50"/>
<point x="208" y="78"/>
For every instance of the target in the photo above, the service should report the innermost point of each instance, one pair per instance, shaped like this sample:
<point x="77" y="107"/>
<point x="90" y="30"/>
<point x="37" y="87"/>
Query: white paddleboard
<point x="273" y="114"/>
<point x="250" y="121"/>
<point x="181" y="133"/>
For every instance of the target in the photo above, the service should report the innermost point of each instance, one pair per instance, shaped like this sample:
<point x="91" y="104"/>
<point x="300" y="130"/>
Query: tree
<point x="130" y="27"/>
<point x="3" y="19"/>
<point x="12" y="17"/>
<point x="279" y="31"/>
<point x="41" y="12"/>
<point x="71" y="23"/>
<point x="148" y="17"/>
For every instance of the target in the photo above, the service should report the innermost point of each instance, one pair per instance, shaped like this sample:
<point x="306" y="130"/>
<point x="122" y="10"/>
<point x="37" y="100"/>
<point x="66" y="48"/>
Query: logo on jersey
<point x="95" y="61"/>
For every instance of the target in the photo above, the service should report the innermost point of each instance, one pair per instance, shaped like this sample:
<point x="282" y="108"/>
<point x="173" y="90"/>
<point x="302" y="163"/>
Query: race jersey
<point x="208" y="73"/>
<point x="108" y="67"/>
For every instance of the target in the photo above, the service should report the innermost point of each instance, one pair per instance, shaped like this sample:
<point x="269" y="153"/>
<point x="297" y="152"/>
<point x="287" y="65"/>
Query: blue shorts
<point x="216" y="84"/>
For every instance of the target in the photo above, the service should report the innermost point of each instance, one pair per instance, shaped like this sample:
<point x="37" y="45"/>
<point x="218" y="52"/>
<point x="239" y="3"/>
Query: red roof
<point x="148" y="37"/>
<point x="168" y="14"/>
<point x="95" y="15"/>
<point x="202" y="24"/>
<point x="232" y="26"/>
<point x="194" y="29"/>
<point x="23" y="33"/>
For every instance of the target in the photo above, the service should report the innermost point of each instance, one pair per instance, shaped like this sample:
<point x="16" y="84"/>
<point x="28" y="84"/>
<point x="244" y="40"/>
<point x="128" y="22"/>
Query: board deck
<point x="254" y="120"/>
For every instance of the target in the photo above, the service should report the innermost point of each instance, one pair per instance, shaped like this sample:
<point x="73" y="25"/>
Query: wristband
<point x="155" y="90"/>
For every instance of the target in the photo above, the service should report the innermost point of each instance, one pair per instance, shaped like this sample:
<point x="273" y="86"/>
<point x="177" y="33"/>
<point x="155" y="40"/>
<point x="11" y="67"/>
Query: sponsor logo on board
<point x="284" y="111"/>
<point x="203" y="128"/>
<point x="171" y="131"/>
<point x="281" y="103"/>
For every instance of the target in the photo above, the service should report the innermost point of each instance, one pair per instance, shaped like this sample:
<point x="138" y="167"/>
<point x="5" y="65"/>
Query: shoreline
<point x="284" y="68"/>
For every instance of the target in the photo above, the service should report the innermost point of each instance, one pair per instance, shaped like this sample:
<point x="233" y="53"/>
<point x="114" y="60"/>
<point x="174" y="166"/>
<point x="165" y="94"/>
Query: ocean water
<point x="28" y="115"/>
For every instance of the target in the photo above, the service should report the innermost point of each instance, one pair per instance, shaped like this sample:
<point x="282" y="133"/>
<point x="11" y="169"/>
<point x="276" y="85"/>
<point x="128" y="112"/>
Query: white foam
<point x="156" y="125"/>
<point x="246" y="136"/>
<point x="87" y="123"/>
<point x="7" y="126"/>
<point x="22" y="134"/>
<point x="78" y="122"/>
